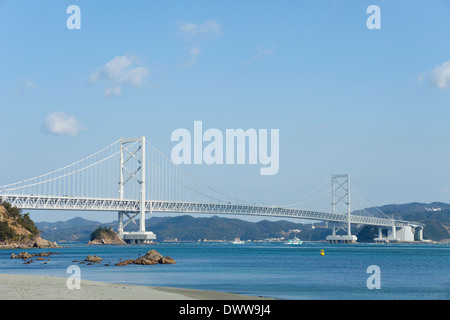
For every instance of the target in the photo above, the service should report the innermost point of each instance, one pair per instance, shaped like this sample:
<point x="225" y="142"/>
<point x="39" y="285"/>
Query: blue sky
<point x="346" y="99"/>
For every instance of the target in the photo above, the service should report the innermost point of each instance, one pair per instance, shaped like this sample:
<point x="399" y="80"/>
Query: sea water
<point x="278" y="270"/>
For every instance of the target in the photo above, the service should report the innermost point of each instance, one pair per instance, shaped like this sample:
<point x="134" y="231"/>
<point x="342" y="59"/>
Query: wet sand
<point x="26" y="287"/>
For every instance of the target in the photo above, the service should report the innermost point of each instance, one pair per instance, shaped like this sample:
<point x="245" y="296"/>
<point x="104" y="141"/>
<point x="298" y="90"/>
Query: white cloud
<point x="199" y="32"/>
<point x="29" y="84"/>
<point x="94" y="77"/>
<point x="61" y="123"/>
<point x="24" y="87"/>
<point x="440" y="76"/>
<point x="266" y="52"/>
<point x="193" y="34"/>
<point x="111" y="92"/>
<point x="120" y="71"/>
<point x="262" y="52"/>
<point x="136" y="77"/>
<point x="193" y="52"/>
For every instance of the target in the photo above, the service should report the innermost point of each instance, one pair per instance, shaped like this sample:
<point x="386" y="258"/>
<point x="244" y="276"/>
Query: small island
<point x="17" y="230"/>
<point x="105" y="235"/>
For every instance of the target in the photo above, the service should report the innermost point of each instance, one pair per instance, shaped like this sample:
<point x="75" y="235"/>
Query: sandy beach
<point x="26" y="287"/>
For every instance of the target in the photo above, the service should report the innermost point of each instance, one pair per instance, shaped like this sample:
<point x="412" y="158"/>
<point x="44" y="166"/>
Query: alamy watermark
<point x="374" y="280"/>
<point x="74" y="280"/>
<point x="374" y="20"/>
<point x="74" y="20"/>
<point x="233" y="147"/>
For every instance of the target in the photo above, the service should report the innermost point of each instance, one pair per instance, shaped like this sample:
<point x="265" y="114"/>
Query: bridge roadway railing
<point x="92" y="204"/>
<point x="233" y="209"/>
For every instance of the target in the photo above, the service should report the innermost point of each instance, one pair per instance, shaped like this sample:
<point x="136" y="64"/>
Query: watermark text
<point x="236" y="146"/>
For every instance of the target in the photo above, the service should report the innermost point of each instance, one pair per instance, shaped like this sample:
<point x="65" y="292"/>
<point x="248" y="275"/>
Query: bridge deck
<point x="33" y="202"/>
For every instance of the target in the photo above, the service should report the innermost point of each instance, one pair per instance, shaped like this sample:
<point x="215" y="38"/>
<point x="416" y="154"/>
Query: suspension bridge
<point x="133" y="178"/>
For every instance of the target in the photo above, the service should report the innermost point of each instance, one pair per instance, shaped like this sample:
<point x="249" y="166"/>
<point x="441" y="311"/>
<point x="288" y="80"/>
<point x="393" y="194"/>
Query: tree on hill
<point x="101" y="232"/>
<point x="19" y="219"/>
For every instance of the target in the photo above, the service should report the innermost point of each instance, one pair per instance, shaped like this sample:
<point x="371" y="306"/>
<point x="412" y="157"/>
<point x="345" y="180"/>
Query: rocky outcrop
<point x="93" y="259"/>
<point x="18" y="231"/>
<point x="35" y="242"/>
<point x="23" y="255"/>
<point x="105" y="236"/>
<point x="27" y="256"/>
<point x="125" y="262"/>
<point x="106" y="241"/>
<point x="167" y="260"/>
<point x="42" y="243"/>
<point x="150" y="258"/>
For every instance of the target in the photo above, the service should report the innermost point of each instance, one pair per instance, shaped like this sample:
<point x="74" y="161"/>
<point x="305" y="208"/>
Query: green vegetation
<point x="19" y="220"/>
<point x="368" y="233"/>
<point x="26" y="222"/>
<point x="12" y="212"/>
<point x="100" y="232"/>
<point x="6" y="232"/>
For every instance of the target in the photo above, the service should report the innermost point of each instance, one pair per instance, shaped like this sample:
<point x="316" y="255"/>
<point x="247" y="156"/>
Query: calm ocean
<point x="407" y="271"/>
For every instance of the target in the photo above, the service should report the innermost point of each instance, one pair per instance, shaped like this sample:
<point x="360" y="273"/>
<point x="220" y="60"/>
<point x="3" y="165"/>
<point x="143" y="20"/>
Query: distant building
<point x="433" y="209"/>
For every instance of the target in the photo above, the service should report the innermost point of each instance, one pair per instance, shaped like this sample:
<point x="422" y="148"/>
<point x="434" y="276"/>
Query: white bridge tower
<point x="132" y="182"/>
<point x="340" y="196"/>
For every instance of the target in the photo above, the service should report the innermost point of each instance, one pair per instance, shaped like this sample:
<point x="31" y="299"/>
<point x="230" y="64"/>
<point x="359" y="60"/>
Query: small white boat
<point x="295" y="240"/>
<point x="237" y="241"/>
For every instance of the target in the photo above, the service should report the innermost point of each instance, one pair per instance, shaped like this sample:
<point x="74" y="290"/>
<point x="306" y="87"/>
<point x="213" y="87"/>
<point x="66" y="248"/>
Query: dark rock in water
<point x="125" y="262"/>
<point x="153" y="255"/>
<point x="93" y="259"/>
<point x="150" y="258"/>
<point x="144" y="261"/>
<point x="167" y="260"/>
<point x="23" y="255"/>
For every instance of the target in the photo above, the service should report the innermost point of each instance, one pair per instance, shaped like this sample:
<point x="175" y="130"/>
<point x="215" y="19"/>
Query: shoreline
<point x="33" y="287"/>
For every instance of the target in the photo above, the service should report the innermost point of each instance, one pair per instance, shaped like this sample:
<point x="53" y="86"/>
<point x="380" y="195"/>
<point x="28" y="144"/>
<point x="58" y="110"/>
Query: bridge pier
<point x="334" y="238"/>
<point x="396" y="234"/>
<point x="342" y="239"/>
<point x="392" y="234"/>
<point x="420" y="233"/>
<point x="139" y="237"/>
<point x="120" y="226"/>
<point x="380" y="238"/>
